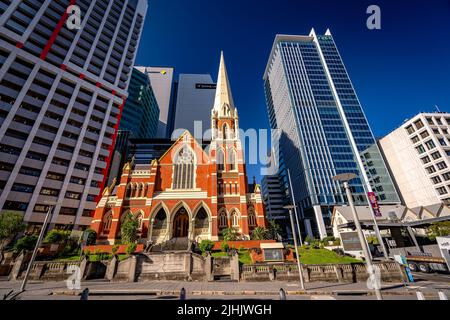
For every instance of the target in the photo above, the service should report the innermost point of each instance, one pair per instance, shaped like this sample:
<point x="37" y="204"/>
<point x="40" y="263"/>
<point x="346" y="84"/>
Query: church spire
<point x="223" y="91"/>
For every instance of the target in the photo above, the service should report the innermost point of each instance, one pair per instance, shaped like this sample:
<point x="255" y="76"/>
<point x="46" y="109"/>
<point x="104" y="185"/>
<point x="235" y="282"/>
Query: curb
<point x="235" y="293"/>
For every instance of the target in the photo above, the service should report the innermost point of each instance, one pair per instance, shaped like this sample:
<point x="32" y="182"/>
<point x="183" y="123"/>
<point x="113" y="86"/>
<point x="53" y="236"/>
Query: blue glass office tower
<point x="324" y="131"/>
<point x="141" y="111"/>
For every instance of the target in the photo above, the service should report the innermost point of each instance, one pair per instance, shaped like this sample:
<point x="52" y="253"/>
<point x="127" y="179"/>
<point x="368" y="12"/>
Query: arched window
<point x="220" y="160"/>
<point x="251" y="219"/>
<point x="231" y="159"/>
<point x="223" y="221"/>
<point x="184" y="170"/>
<point x="235" y="219"/>
<point x="225" y="131"/>
<point x="107" y="221"/>
<point x="201" y="219"/>
<point x="140" y="220"/>
<point x="160" y="220"/>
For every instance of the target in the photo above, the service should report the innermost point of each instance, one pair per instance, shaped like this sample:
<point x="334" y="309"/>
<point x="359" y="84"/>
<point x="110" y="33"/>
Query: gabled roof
<point x="196" y="144"/>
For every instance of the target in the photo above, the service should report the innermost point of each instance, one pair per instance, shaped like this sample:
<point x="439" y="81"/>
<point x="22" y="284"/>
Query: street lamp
<point x="345" y="178"/>
<point x="38" y="243"/>
<point x="300" y="273"/>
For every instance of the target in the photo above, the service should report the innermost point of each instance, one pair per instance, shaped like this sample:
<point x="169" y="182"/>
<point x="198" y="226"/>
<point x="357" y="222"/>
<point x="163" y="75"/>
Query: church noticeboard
<point x="350" y="241"/>
<point x="273" y="254"/>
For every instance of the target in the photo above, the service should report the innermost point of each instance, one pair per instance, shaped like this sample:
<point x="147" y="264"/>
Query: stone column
<point x="15" y="272"/>
<point x="111" y="269"/>
<point x="208" y="267"/>
<point x="132" y="270"/>
<point x="83" y="265"/>
<point x="339" y="273"/>
<point x="234" y="265"/>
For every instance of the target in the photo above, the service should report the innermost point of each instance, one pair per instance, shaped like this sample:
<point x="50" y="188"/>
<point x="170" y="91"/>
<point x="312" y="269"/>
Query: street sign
<point x="402" y="261"/>
<point x="374" y="203"/>
<point x="350" y="241"/>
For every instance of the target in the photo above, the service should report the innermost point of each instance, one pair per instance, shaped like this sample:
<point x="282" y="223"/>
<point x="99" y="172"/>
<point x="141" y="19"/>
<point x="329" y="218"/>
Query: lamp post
<point x="345" y="178"/>
<point x="295" y="207"/>
<point x="300" y="273"/>
<point x="38" y="243"/>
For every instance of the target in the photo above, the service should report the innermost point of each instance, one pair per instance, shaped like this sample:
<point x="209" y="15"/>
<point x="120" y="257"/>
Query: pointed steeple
<point x="223" y="91"/>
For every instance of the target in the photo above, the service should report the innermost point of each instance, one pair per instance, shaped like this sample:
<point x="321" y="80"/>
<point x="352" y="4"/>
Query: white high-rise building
<point x="161" y="81"/>
<point x="418" y="155"/>
<point x="62" y="90"/>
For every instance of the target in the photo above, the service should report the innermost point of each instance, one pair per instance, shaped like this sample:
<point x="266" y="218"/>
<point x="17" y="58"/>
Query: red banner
<point x="374" y="203"/>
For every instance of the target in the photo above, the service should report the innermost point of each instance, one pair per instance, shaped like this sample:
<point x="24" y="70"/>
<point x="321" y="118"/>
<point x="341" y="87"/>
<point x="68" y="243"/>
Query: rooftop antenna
<point x="437" y="108"/>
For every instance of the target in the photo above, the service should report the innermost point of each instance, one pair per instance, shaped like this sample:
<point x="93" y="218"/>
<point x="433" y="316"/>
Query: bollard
<point x="85" y="294"/>
<point x="420" y="295"/>
<point x="183" y="294"/>
<point x="442" y="296"/>
<point x="282" y="294"/>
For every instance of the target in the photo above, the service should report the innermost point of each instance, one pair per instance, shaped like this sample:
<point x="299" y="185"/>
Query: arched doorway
<point x="181" y="224"/>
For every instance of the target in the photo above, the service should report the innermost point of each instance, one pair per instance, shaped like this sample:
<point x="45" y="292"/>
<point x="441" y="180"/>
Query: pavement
<point x="429" y="285"/>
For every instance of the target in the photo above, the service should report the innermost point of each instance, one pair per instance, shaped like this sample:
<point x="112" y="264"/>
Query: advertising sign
<point x="374" y="203"/>
<point x="350" y="241"/>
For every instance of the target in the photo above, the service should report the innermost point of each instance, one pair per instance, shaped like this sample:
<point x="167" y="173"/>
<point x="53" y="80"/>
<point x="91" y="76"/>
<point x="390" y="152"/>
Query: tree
<point x="273" y="230"/>
<point x="206" y="246"/>
<point x="57" y="236"/>
<point x="230" y="234"/>
<point x="129" y="229"/>
<point x="26" y="243"/>
<point x="91" y="237"/>
<point x="11" y="223"/>
<point x="439" y="229"/>
<point x="259" y="233"/>
<point x="131" y="248"/>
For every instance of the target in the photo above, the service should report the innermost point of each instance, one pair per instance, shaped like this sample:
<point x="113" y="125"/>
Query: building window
<point x="420" y="149"/>
<point x="436" y="180"/>
<point x="184" y="170"/>
<point x="223" y="221"/>
<point x="49" y="192"/>
<point x="235" y="219"/>
<point x="446" y="176"/>
<point x="251" y="219"/>
<point x="436" y="155"/>
<point x="68" y="211"/>
<point x="419" y="124"/>
<point x="140" y="221"/>
<point x="442" y="165"/>
<point x="232" y="159"/>
<point x="19" y="187"/>
<point x="431" y="169"/>
<point x="424" y="134"/>
<point x="430" y="144"/>
<point x="107" y="221"/>
<point x="441" y="191"/>
<point x="415" y="139"/>
<point x="220" y="160"/>
<point x="426" y="160"/>
<point x="410" y="130"/>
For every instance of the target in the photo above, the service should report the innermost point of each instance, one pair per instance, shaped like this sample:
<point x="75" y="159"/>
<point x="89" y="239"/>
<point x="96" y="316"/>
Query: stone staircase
<point x="174" y="244"/>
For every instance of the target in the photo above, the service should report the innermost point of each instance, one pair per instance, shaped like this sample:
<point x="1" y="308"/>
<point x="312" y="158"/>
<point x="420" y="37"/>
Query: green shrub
<point x="373" y="240"/>
<point x="129" y="229"/>
<point x="114" y="249"/>
<point x="26" y="243"/>
<point x="308" y="239"/>
<point x="337" y="242"/>
<point x="259" y="233"/>
<point x="224" y="246"/>
<point x="11" y="223"/>
<point x="131" y="248"/>
<point x="230" y="234"/>
<point x="91" y="237"/>
<point x="206" y="246"/>
<point x="57" y="236"/>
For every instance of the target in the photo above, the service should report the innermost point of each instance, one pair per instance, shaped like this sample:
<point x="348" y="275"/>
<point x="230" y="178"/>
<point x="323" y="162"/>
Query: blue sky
<point x="397" y="71"/>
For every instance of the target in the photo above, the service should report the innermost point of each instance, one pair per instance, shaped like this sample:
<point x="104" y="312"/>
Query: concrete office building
<point x="418" y="155"/>
<point x="161" y="81"/>
<point x="195" y="96"/>
<point x="62" y="92"/>
<point x="311" y="99"/>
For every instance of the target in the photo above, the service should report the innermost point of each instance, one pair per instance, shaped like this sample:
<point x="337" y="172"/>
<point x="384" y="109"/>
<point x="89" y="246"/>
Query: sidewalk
<point x="163" y="288"/>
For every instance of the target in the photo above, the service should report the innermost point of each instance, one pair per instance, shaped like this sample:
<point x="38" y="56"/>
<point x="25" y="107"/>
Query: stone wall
<point x="346" y="273"/>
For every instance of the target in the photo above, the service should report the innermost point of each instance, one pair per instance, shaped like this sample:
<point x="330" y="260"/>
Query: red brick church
<point x="189" y="192"/>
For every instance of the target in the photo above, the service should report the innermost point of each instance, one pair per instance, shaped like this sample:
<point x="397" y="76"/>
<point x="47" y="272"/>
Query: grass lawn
<point x="244" y="256"/>
<point x="323" y="256"/>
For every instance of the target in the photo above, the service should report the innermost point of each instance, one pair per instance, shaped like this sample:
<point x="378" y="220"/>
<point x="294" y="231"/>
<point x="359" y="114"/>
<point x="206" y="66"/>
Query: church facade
<point x="189" y="192"/>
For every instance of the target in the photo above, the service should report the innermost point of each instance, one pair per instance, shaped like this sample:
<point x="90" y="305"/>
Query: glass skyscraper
<point x="324" y="131"/>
